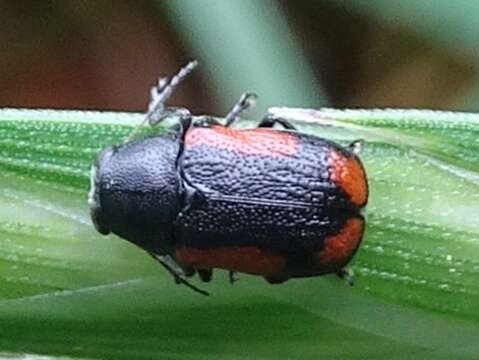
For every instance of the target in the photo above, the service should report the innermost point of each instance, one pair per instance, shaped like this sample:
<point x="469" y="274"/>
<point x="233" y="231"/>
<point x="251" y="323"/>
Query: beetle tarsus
<point x="273" y="280"/>
<point x="246" y="101"/>
<point x="347" y="275"/>
<point x="205" y="274"/>
<point x="270" y="121"/>
<point x="194" y="288"/>
<point x="356" y="146"/>
<point x="178" y="274"/>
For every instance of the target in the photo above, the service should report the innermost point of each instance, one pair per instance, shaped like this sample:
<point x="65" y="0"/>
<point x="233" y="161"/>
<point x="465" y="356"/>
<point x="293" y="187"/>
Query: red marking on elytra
<point x="250" y="260"/>
<point x="348" y="174"/>
<point x="339" y="247"/>
<point x="259" y="141"/>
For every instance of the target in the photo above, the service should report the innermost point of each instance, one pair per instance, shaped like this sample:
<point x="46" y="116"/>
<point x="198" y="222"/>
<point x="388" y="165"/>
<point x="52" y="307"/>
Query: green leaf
<point x="66" y="290"/>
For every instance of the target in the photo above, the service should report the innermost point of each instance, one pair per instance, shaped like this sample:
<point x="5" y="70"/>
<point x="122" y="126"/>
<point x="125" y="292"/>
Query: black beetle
<point x="264" y="201"/>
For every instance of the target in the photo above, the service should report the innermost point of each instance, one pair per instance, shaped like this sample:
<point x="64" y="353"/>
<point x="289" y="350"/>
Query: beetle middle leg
<point x="270" y="121"/>
<point x="205" y="274"/>
<point x="246" y="101"/>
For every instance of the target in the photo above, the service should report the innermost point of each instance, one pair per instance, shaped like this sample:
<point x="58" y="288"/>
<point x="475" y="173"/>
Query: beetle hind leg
<point x="356" y="146"/>
<point x="276" y="279"/>
<point x="270" y="121"/>
<point x="347" y="275"/>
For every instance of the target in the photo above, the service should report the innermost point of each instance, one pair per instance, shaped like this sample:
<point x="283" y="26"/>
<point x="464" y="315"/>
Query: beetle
<point x="265" y="201"/>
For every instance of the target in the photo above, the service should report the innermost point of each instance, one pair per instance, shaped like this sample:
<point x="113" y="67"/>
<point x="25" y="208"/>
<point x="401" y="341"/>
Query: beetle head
<point x="134" y="191"/>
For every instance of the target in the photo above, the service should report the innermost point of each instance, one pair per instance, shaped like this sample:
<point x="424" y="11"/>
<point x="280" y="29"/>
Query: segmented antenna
<point x="246" y="101"/>
<point x="159" y="94"/>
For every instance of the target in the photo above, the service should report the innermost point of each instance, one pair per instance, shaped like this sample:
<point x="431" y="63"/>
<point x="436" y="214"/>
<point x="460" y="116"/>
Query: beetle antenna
<point x="178" y="276"/>
<point x="246" y="101"/>
<point x="159" y="94"/>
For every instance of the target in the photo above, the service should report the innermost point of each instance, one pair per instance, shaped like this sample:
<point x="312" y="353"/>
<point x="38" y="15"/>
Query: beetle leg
<point x="179" y="112"/>
<point x="275" y="279"/>
<point x="174" y="269"/>
<point x="163" y="90"/>
<point x="356" y="146"/>
<point x="346" y="274"/>
<point x="232" y="277"/>
<point x="205" y="274"/>
<point x="270" y="121"/>
<point x="189" y="271"/>
<point x="205" y="121"/>
<point x="246" y="100"/>
<point x="158" y="96"/>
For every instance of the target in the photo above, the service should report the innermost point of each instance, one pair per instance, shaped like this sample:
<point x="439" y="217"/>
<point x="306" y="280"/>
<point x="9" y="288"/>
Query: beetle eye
<point x="94" y="199"/>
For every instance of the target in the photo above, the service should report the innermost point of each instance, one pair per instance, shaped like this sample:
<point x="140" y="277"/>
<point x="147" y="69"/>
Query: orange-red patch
<point x="339" y="247"/>
<point x="347" y="173"/>
<point x="243" y="259"/>
<point x="260" y="141"/>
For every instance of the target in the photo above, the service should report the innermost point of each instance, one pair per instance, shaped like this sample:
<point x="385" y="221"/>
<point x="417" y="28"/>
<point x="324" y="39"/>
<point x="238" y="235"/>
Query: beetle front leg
<point x="176" y="270"/>
<point x="270" y="121"/>
<point x="163" y="90"/>
<point x="178" y="112"/>
<point x="158" y="96"/>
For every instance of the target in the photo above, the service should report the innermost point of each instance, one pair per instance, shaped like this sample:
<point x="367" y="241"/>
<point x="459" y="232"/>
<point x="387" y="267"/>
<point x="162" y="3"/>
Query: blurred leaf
<point x="450" y="25"/>
<point x="246" y="46"/>
<point x="66" y="290"/>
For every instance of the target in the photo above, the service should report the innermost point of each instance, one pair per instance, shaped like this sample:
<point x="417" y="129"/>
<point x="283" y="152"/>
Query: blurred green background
<point x="344" y="53"/>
